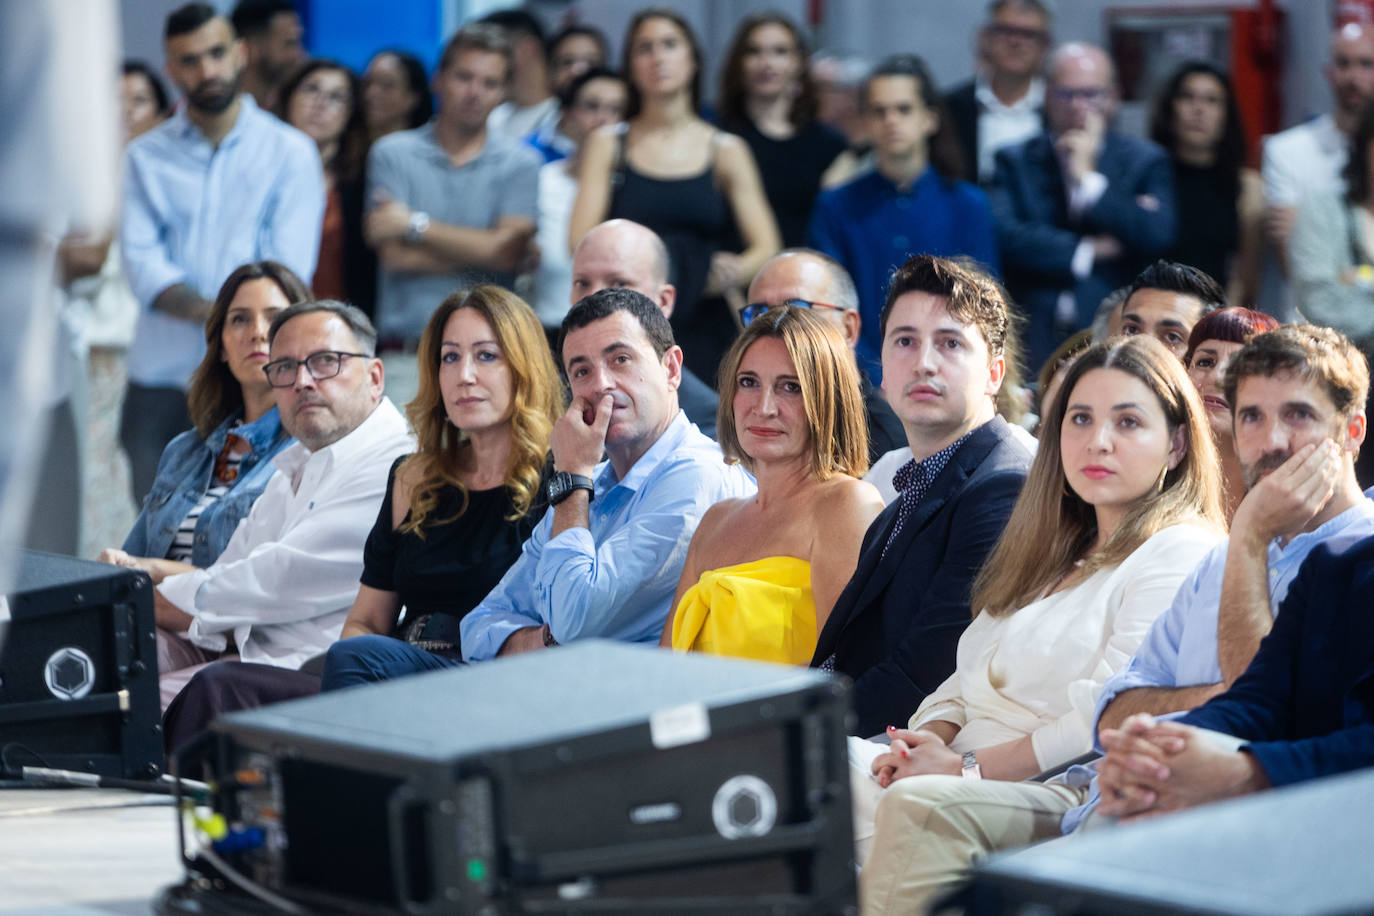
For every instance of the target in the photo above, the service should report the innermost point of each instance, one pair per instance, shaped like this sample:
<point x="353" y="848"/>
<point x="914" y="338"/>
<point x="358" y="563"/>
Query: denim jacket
<point x="183" y="476"/>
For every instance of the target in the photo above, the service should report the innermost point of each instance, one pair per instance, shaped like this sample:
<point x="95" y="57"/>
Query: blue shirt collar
<point x="922" y="180"/>
<point x="665" y="445"/>
<point x="1304" y="542"/>
<point x="248" y="112"/>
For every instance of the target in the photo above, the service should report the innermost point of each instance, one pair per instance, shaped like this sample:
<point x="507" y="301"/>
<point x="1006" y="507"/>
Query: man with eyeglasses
<point x="1080" y="208"/>
<point x="812" y="280"/>
<point x="1004" y="103"/>
<point x="280" y="591"/>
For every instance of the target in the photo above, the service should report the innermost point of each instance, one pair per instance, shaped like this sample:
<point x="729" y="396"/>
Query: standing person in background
<point x="594" y="99"/>
<point x="271" y="32"/>
<point x="572" y="52"/>
<point x="1308" y="158"/>
<point x="913" y="202"/>
<point x="217" y="185"/>
<point x="395" y="94"/>
<point x="767" y="97"/>
<point x="1080" y="208"/>
<point x="1219" y="200"/>
<point x="1004" y="103"/>
<point x="530" y="103"/>
<point x="322" y="99"/>
<point x="694" y="185"/>
<point x="452" y="203"/>
<point x="839" y="81"/>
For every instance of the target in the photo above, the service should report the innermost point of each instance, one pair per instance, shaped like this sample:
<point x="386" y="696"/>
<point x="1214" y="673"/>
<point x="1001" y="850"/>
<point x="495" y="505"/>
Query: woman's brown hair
<point x="215" y="395"/>
<point x="730" y="101"/>
<point x="831" y="395"/>
<point x="1051" y="527"/>
<point x="536" y="402"/>
<point x="635" y="101"/>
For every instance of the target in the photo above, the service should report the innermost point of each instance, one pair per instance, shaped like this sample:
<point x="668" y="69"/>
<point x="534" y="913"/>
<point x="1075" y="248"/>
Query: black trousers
<point x="152" y="417"/>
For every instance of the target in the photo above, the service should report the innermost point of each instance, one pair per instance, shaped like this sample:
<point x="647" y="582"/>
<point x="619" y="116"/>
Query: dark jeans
<point x="152" y="417"/>
<point x="227" y="687"/>
<point x="368" y="659"/>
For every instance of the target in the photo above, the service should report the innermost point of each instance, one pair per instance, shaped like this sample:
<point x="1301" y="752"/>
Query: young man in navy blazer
<point x="896" y="626"/>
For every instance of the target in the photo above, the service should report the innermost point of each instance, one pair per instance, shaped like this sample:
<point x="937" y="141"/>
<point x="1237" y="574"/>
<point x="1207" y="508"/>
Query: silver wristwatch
<point x="415" y="229"/>
<point x="971" y="768"/>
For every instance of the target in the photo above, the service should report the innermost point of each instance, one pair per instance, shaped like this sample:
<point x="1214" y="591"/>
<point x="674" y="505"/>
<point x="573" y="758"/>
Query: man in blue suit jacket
<point x="1304" y="708"/>
<point x="1080" y="209"/>
<point x="895" y="627"/>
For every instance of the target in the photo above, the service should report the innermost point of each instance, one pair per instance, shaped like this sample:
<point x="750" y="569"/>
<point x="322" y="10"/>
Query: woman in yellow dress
<point x="763" y="573"/>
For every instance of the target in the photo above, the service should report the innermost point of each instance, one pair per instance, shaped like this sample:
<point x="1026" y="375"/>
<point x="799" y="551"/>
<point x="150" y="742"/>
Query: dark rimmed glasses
<point x="755" y="309"/>
<point x="325" y="364"/>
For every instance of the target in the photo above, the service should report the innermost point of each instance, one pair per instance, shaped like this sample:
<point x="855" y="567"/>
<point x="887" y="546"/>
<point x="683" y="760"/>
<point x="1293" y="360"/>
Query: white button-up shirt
<point x="288" y="577"/>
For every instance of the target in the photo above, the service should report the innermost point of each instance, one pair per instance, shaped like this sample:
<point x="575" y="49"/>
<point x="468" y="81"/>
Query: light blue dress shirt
<point x="1181" y="648"/>
<point x="614" y="579"/>
<point x="194" y="212"/>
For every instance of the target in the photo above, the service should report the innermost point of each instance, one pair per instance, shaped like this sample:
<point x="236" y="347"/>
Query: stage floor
<point x="84" y="852"/>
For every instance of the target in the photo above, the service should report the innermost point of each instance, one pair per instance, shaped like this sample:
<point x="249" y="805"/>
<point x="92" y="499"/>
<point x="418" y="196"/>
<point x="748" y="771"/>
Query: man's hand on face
<point x="1079" y="147"/>
<point x="579" y="436"/>
<point x="386" y="222"/>
<point x="1285" y="500"/>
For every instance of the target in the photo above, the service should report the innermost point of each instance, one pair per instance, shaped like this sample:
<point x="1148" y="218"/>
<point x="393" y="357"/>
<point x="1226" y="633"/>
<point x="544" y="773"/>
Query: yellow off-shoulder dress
<point x="762" y="610"/>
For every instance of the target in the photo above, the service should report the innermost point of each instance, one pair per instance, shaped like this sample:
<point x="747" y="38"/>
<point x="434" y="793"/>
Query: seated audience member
<point x="763" y="571"/>
<point x="210" y="476"/>
<point x="696" y="186"/>
<point x="395" y="94"/>
<point x="622" y="254"/>
<point x="1081" y="207"/>
<point x="809" y="279"/>
<point x="767" y="98"/>
<point x="1212" y="343"/>
<point x="1295" y="393"/>
<point x="1122" y="498"/>
<point x="1165" y="300"/>
<point x="607" y="555"/>
<point x="1219" y="199"/>
<point x="323" y="99"/>
<point x="283" y="585"/>
<point x="1301" y="710"/>
<point x="913" y="201"/>
<point x="1004" y="103"/>
<point x="455" y="515"/>
<point x="895" y="626"/>
<point x="595" y="99"/>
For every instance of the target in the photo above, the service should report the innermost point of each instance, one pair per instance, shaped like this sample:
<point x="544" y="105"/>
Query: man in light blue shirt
<point x="1297" y="398"/>
<point x="605" y="560"/>
<point x="217" y="185"/>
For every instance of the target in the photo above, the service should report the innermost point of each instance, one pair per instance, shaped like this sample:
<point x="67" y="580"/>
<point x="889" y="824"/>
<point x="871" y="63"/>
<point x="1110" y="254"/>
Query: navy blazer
<point x="896" y="626"/>
<point x="1038" y="239"/>
<point x="1306" y="703"/>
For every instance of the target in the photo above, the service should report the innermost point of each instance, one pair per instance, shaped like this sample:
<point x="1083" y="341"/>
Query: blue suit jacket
<point x="895" y="627"/>
<point x="1037" y="238"/>
<point x="1306" y="703"/>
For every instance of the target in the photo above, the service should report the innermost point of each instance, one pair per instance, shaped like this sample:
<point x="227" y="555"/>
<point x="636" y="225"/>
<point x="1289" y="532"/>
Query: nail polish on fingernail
<point x="905" y="755"/>
<point x="892" y="728"/>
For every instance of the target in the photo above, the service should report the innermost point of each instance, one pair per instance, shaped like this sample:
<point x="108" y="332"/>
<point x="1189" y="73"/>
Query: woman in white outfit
<point x="1123" y="498"/>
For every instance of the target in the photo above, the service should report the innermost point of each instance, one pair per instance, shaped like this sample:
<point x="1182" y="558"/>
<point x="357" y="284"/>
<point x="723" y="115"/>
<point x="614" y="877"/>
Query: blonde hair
<point x="536" y="402"/>
<point x="831" y="395"/>
<point x="1052" y="527"/>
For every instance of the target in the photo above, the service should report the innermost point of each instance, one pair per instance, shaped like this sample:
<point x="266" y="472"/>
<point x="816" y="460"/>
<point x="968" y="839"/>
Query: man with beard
<point x="216" y="185"/>
<point x="271" y="33"/>
<point x="1297" y="398"/>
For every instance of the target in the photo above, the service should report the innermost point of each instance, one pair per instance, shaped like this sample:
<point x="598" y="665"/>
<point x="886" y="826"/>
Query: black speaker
<point x="78" y="669"/>
<point x="1286" y="852"/>
<point x="594" y="777"/>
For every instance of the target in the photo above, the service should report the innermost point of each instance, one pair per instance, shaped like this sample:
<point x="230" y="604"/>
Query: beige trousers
<point x="930" y="829"/>
<point x="178" y="660"/>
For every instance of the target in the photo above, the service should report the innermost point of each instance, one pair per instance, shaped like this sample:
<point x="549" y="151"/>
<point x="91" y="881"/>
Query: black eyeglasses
<point x="755" y="309"/>
<point x="998" y="30"/>
<point x="324" y="364"/>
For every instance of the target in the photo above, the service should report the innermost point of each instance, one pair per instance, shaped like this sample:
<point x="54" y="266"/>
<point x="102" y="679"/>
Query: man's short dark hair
<point x="351" y="315"/>
<point x="479" y="36"/>
<point x="1035" y="6"/>
<point x="569" y="95"/>
<point x="944" y="151"/>
<point x="188" y="18"/>
<point x="253" y="18"/>
<point x="1172" y="277"/>
<point x="972" y="297"/>
<point x="573" y="31"/>
<point x="606" y="302"/>
<point x="517" y="24"/>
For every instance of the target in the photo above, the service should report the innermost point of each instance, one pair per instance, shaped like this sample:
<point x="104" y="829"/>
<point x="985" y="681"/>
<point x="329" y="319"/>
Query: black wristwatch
<point x="562" y="484"/>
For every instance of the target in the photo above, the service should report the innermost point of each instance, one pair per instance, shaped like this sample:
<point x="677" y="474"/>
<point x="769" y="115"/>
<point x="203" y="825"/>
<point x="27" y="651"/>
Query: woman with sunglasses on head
<point x="696" y="186"/>
<point x="209" y="476"/>
<point x="324" y="100"/>
<point x="763" y="573"/>
<point x="1122" y="499"/>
